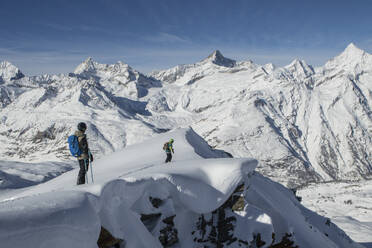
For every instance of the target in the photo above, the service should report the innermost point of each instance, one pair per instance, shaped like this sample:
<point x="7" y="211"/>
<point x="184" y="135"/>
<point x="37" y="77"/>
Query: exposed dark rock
<point x="217" y="58"/>
<point x="348" y="202"/>
<point x="286" y="242"/>
<point x="150" y="220"/>
<point x="239" y="204"/>
<point x="214" y="229"/>
<point x="299" y="198"/>
<point x="156" y="202"/>
<point x="257" y="242"/>
<point x="328" y="222"/>
<point x="169" y="234"/>
<point x="106" y="240"/>
<point x="194" y="79"/>
<point x="217" y="228"/>
<point x="18" y="75"/>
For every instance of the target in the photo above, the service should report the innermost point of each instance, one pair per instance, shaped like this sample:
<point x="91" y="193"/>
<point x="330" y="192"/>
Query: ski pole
<point x="86" y="172"/>
<point x="91" y="170"/>
<point x="91" y="166"/>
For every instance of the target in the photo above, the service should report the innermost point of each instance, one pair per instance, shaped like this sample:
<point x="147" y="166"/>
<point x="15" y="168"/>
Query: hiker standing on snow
<point x="168" y="148"/>
<point x="83" y="159"/>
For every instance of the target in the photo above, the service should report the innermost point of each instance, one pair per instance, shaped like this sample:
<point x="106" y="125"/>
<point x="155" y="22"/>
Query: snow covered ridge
<point x="191" y="202"/>
<point x="303" y="124"/>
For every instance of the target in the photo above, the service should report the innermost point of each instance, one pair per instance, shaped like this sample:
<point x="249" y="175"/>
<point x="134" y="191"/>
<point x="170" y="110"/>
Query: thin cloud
<point x="167" y="38"/>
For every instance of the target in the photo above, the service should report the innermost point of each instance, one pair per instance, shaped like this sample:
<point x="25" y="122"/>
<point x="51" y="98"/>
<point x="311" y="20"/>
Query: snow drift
<point x="147" y="203"/>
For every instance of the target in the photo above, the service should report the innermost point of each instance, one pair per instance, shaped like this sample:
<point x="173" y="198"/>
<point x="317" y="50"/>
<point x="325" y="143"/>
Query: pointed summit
<point x="89" y="65"/>
<point x="217" y="58"/>
<point x="300" y="68"/>
<point x="351" y="53"/>
<point x="350" y="57"/>
<point x="352" y="50"/>
<point x="9" y="72"/>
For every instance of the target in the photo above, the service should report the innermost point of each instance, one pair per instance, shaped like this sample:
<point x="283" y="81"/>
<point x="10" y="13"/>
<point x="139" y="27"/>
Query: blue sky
<point x="54" y="36"/>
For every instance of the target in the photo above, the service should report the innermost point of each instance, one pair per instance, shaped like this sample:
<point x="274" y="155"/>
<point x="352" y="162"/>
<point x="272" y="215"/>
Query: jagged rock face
<point x="215" y="229"/>
<point x="9" y="72"/>
<point x="119" y="79"/>
<point x="233" y="224"/>
<point x="302" y="124"/>
<point x="106" y="240"/>
<point x="189" y="74"/>
<point x="217" y="58"/>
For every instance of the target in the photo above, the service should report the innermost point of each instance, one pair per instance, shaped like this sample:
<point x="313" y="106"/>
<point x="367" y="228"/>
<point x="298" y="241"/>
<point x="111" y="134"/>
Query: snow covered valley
<point x="347" y="204"/>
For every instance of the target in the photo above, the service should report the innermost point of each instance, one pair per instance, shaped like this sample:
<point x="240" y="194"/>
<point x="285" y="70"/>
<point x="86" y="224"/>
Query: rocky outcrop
<point x="217" y="58"/>
<point x="215" y="229"/>
<point x="168" y="234"/>
<point x="8" y="72"/>
<point x="106" y="240"/>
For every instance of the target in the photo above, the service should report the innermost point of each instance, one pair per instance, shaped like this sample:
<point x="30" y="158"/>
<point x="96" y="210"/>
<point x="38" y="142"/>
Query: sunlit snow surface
<point x="58" y="213"/>
<point x="349" y="205"/>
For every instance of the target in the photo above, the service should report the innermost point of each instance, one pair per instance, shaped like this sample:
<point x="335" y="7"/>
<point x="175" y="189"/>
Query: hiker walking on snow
<point x="168" y="148"/>
<point x="85" y="156"/>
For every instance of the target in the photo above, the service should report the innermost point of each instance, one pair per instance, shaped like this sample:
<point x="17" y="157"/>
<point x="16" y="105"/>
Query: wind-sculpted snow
<point x="201" y="185"/>
<point x="303" y="124"/>
<point x="133" y="184"/>
<point x="56" y="219"/>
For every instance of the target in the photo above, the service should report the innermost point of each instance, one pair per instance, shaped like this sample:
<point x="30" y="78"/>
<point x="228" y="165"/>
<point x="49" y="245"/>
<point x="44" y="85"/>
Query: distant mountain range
<point x="302" y="124"/>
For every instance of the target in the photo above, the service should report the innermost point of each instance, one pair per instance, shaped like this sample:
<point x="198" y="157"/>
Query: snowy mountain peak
<point x="352" y="57"/>
<point x="88" y="65"/>
<point x="352" y="49"/>
<point x="217" y="58"/>
<point x="300" y="68"/>
<point x="92" y="69"/>
<point x="297" y="63"/>
<point x="9" y="72"/>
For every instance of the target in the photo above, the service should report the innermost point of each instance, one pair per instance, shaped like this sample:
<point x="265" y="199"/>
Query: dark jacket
<point x="83" y="145"/>
<point x="169" y="148"/>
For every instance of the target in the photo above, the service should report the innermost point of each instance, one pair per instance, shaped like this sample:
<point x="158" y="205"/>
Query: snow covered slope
<point x="303" y="124"/>
<point x="347" y="204"/>
<point x="38" y="113"/>
<point x="200" y="199"/>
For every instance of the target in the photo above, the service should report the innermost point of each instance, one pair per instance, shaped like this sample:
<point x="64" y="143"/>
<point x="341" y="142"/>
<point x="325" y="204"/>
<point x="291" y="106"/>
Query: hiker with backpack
<point x="78" y="145"/>
<point x="168" y="148"/>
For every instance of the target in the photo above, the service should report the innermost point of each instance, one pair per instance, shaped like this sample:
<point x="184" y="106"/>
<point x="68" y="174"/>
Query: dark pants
<point x="82" y="171"/>
<point x="169" y="157"/>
